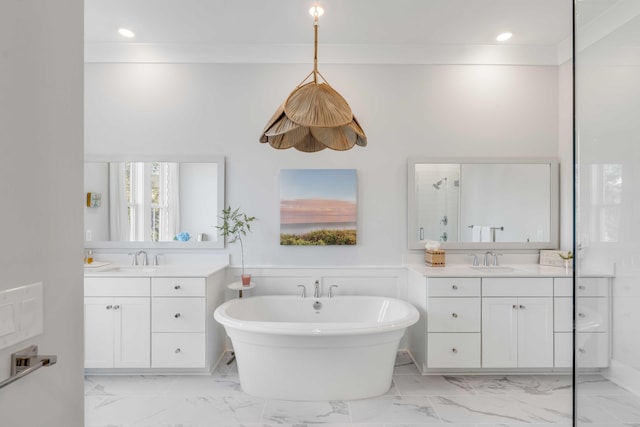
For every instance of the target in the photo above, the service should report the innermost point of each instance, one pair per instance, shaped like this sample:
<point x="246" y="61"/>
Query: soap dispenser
<point x="89" y="258"/>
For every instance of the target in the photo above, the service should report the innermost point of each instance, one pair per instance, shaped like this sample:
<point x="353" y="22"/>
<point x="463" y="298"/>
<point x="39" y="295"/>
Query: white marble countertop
<point x="511" y="270"/>
<point x="171" y="270"/>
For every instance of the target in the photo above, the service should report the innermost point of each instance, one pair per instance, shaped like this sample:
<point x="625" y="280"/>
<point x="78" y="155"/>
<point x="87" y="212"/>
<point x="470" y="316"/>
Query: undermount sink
<point x="132" y="269"/>
<point x="497" y="268"/>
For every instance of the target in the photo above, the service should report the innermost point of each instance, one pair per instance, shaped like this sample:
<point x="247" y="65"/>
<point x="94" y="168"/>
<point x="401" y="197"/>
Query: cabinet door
<point x="132" y="347"/>
<point x="499" y="332"/>
<point x="535" y="332"/>
<point x="98" y="332"/>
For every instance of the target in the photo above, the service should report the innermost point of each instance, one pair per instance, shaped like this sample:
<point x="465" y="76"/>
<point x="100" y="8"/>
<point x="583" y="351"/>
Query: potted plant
<point x="566" y="258"/>
<point x="236" y="224"/>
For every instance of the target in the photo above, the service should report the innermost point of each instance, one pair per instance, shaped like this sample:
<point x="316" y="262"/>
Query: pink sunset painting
<point x="318" y="207"/>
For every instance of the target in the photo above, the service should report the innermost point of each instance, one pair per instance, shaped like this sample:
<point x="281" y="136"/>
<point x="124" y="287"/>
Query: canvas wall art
<point x="318" y="207"/>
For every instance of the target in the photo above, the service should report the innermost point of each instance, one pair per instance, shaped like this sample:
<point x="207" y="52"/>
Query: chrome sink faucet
<point x="316" y="289"/>
<point x="135" y="258"/>
<point x="486" y="258"/>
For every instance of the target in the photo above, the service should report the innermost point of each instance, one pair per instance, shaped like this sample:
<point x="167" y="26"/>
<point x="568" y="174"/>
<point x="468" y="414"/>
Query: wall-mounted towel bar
<point x="25" y="362"/>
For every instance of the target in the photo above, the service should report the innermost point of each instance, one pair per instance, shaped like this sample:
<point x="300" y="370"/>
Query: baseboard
<point x="624" y="376"/>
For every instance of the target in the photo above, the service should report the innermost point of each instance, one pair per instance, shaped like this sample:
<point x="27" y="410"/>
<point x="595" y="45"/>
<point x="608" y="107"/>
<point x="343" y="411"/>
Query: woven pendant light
<point x="314" y="116"/>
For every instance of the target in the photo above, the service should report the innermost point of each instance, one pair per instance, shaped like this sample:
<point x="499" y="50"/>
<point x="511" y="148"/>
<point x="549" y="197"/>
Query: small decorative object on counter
<point x="566" y="258"/>
<point x="434" y="257"/>
<point x="236" y="224"/>
<point x="89" y="258"/>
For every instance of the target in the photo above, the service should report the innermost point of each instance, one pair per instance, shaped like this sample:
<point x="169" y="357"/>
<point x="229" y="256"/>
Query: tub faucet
<point x="331" y="290"/>
<point x="316" y="289"/>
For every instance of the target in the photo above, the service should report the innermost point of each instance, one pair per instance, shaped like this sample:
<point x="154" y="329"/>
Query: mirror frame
<point x="412" y="217"/>
<point x="219" y="160"/>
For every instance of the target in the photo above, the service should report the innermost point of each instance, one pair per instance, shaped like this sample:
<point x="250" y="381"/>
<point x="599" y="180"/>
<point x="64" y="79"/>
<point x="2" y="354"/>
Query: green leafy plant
<point x="566" y="257"/>
<point x="235" y="225"/>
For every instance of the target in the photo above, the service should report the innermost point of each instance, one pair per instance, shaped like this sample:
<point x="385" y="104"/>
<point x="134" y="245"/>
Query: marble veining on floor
<point x="412" y="401"/>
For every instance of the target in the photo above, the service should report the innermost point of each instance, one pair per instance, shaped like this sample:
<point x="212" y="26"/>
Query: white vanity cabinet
<point x="117" y="322"/>
<point x="453" y="323"/>
<point x="592" y="322"/>
<point x="178" y="322"/>
<point x="503" y="323"/>
<point x="517" y="322"/>
<point x="154" y="323"/>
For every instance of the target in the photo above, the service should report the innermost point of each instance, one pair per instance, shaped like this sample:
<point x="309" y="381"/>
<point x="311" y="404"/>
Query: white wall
<point x="472" y="111"/>
<point x="607" y="108"/>
<point x="41" y="157"/>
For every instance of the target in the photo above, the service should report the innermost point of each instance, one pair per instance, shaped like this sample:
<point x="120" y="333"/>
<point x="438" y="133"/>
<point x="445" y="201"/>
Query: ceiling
<point x="351" y="31"/>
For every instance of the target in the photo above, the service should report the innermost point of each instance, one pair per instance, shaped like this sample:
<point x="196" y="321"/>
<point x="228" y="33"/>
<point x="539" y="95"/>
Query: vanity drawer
<point x="592" y="287"/>
<point x="453" y="350"/>
<point x="116" y="286"/>
<point x="453" y="287"/>
<point x="178" y="286"/>
<point x="453" y="315"/>
<point x="592" y="350"/>
<point x="178" y="314"/>
<point x="592" y="315"/>
<point x="178" y="350"/>
<point x="517" y="287"/>
<point x="587" y="287"/>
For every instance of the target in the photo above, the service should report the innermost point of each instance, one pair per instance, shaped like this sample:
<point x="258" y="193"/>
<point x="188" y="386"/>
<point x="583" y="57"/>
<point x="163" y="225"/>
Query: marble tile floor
<point x="413" y="401"/>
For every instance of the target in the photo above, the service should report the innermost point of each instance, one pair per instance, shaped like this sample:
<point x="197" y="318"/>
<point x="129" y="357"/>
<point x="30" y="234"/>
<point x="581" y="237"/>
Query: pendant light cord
<point x="315" y="48"/>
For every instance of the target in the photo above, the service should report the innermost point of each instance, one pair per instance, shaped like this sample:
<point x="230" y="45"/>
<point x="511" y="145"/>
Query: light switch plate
<point x="21" y="314"/>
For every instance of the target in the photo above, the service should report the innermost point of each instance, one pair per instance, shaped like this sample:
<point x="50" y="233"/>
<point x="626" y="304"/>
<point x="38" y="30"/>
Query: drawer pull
<point x="177" y="315"/>
<point x="116" y="307"/>
<point x="582" y="315"/>
<point x="178" y="350"/>
<point x="454" y="350"/>
<point x="109" y="307"/>
<point x="522" y="307"/>
<point x="454" y="287"/>
<point x="514" y="306"/>
<point x="176" y="287"/>
<point x="582" y="350"/>
<point x="581" y="287"/>
<point x="454" y="314"/>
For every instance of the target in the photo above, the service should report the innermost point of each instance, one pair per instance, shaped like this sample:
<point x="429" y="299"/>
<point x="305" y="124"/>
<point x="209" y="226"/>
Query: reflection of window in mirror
<point x="606" y="202"/>
<point x="151" y="195"/>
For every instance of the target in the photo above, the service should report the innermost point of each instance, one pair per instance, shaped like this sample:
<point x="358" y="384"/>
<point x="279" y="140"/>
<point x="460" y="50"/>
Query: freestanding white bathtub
<point x="343" y="350"/>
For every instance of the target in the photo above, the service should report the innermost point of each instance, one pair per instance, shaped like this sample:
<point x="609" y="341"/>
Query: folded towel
<point x="476" y="233"/>
<point x="485" y="234"/>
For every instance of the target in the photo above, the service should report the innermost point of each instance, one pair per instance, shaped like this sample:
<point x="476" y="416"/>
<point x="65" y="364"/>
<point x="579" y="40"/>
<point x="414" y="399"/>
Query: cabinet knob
<point x="582" y="350"/>
<point x="514" y="306"/>
<point x="109" y="307"/>
<point x="454" y="287"/>
<point x="116" y="307"/>
<point x="177" y="350"/>
<point x="454" y="350"/>
<point x="582" y="315"/>
<point x="176" y="287"/>
<point x="581" y="287"/>
<point x="454" y="314"/>
<point x="522" y="307"/>
<point x="177" y="315"/>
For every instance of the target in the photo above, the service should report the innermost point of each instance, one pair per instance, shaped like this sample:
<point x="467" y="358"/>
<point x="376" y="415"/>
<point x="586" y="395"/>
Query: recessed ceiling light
<point x="316" y="10"/>
<point x="124" y="32"/>
<point x="504" y="37"/>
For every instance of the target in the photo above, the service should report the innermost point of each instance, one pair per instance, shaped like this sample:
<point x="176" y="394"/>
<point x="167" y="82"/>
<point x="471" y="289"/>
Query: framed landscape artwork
<point x="318" y="207"/>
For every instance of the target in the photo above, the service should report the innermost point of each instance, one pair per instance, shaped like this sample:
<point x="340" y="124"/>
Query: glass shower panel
<point x="607" y="291"/>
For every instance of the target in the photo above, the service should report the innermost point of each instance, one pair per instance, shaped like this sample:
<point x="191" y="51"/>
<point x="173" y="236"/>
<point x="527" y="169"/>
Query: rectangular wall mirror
<point x="153" y="203"/>
<point x="483" y="203"/>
